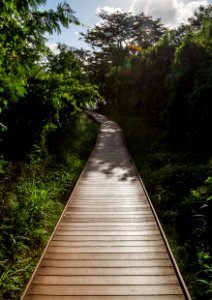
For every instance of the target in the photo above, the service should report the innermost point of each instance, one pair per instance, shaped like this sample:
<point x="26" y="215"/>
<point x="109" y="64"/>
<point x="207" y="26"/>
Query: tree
<point x="39" y="90"/>
<point x="111" y="59"/>
<point x="200" y="16"/>
<point x="55" y="92"/>
<point x="190" y="89"/>
<point x="119" y="29"/>
<point x="22" y="42"/>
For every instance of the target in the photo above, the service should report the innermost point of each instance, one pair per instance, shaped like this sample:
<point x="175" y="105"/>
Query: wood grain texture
<point x="96" y="290"/>
<point x="100" y="297"/>
<point x="107" y="244"/>
<point x="103" y="271"/>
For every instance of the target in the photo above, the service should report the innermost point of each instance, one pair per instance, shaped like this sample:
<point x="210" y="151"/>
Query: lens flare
<point x="134" y="48"/>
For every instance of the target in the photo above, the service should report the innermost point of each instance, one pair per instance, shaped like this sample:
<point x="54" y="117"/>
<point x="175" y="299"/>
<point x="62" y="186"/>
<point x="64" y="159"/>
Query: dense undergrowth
<point x="180" y="186"/>
<point x="33" y="194"/>
<point x="183" y="202"/>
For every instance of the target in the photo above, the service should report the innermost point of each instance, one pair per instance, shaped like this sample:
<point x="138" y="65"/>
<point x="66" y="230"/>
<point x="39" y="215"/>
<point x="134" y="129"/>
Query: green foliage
<point x="106" y="65"/>
<point x="121" y="28"/>
<point x="32" y="202"/>
<point x="53" y="95"/>
<point x="167" y="85"/>
<point x="39" y="90"/>
<point x="200" y="16"/>
<point x="182" y="200"/>
<point x="13" y="276"/>
<point x="190" y="89"/>
<point x="22" y="42"/>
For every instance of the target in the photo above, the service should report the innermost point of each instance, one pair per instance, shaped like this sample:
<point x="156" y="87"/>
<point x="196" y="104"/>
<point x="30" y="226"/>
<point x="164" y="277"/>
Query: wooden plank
<point x="113" y="191"/>
<point x="105" y="280"/>
<point x="119" y="198"/>
<point x="97" y="223"/>
<point x="108" y="256"/>
<point x="109" y="208"/>
<point x="110" y="196"/>
<point x="121" y="195"/>
<point x="124" y="214"/>
<point x="105" y="209"/>
<point x="104" y="244"/>
<point x="112" y="220"/>
<point x="117" y="237"/>
<point x="100" y="297"/>
<point x="107" y="249"/>
<point x="123" y="271"/>
<point x="67" y="263"/>
<point x="112" y="186"/>
<point x="101" y="234"/>
<point x="109" y="216"/>
<point x="106" y="184"/>
<point x="108" y="205"/>
<point x="105" y="203"/>
<point x="108" y="227"/>
<point x="106" y="290"/>
<point x="110" y="183"/>
<point x="96" y="188"/>
<point x="108" y="221"/>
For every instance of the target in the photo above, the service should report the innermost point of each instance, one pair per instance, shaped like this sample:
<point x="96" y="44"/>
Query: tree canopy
<point x="119" y="29"/>
<point x="22" y="42"/>
<point x="28" y="69"/>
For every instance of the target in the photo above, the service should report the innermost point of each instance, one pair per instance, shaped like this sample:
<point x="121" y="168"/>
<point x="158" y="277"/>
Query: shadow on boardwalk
<point x="110" y="152"/>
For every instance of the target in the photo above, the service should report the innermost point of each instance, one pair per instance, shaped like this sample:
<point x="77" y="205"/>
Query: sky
<point x="171" y="12"/>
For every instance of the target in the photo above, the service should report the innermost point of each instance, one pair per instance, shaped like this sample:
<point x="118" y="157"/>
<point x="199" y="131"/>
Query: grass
<point x="33" y="195"/>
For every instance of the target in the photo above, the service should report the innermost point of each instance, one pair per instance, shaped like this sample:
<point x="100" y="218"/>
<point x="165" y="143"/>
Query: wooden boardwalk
<point x="108" y="243"/>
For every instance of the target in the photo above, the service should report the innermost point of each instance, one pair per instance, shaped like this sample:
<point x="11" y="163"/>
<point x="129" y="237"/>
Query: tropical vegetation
<point x="44" y="138"/>
<point x="155" y="81"/>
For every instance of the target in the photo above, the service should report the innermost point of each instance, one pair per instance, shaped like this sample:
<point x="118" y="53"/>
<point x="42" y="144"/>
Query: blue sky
<point x="172" y="12"/>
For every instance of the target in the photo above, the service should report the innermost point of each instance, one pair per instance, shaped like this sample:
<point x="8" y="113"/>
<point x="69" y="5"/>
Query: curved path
<point x="108" y="243"/>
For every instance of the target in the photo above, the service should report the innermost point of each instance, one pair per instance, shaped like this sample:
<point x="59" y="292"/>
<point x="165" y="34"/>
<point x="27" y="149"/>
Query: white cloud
<point x="53" y="47"/>
<point x="172" y="12"/>
<point x="108" y="9"/>
<point x="186" y="8"/>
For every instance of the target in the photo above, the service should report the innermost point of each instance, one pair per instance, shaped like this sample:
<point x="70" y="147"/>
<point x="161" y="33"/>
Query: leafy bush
<point x="32" y="202"/>
<point x="183" y="203"/>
